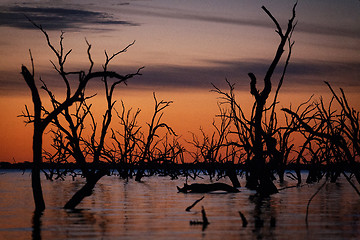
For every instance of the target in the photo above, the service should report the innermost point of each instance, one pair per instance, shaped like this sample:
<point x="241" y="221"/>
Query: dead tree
<point x="167" y="154"/>
<point x="133" y="151"/>
<point x="303" y="110"/>
<point x="242" y="127"/>
<point x="217" y="148"/>
<point x="42" y="117"/>
<point x="123" y="151"/>
<point x="150" y="140"/>
<point x="81" y="148"/>
<point x="337" y="129"/>
<point x="259" y="175"/>
<point x="253" y="135"/>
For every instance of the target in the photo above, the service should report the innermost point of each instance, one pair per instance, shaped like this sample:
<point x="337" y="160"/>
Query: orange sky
<point x="184" y="46"/>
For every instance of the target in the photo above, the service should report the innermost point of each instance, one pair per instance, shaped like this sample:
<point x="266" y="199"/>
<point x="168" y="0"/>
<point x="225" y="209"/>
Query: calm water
<point x="154" y="210"/>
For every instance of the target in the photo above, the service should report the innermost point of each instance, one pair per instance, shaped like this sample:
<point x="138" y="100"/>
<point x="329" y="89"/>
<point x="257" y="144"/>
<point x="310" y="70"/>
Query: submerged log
<point x="86" y="190"/>
<point x="204" y="188"/>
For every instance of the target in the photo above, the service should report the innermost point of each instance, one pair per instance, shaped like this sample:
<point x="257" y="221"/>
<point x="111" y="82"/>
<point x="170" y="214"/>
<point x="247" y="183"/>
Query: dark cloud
<point x="300" y="74"/>
<point x="55" y="18"/>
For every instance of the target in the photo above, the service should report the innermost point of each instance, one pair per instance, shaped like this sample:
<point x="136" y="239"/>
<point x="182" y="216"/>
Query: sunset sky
<point x="185" y="45"/>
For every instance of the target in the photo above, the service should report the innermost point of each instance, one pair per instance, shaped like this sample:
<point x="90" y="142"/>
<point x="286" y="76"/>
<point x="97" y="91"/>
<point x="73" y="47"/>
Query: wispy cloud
<point x="55" y="18"/>
<point x="328" y="30"/>
<point x="174" y="13"/>
<point x="181" y="14"/>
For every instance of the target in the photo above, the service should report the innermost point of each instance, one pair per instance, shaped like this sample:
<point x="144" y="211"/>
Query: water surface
<point x="154" y="209"/>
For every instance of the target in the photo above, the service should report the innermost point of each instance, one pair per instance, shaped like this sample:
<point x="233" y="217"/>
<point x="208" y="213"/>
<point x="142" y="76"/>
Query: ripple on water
<point x="154" y="210"/>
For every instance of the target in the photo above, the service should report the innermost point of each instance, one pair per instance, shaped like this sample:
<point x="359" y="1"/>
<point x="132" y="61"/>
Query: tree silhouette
<point x="148" y="143"/>
<point x="123" y="151"/>
<point x="260" y="175"/>
<point x="133" y="151"/>
<point x="42" y="117"/>
<point x="253" y="134"/>
<point x="215" y="149"/>
<point x="336" y="133"/>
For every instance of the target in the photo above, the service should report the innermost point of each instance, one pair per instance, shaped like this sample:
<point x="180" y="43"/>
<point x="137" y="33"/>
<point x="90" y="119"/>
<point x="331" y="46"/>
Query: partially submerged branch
<point x="193" y="205"/>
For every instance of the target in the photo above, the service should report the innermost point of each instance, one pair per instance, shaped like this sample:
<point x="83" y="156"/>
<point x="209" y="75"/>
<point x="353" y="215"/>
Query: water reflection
<point x="86" y="220"/>
<point x="154" y="210"/>
<point x="264" y="215"/>
<point x="36" y="225"/>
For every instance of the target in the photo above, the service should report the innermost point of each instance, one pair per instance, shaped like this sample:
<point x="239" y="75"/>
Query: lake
<point x="154" y="209"/>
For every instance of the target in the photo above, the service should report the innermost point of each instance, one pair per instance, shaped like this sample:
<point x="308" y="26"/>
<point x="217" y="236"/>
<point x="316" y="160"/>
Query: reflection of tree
<point x="36" y="225"/>
<point x="264" y="217"/>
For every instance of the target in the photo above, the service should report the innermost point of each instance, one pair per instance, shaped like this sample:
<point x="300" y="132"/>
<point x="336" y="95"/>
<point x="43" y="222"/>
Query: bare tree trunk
<point x="259" y="173"/>
<point x="35" y="173"/>
<point x="231" y="173"/>
<point x="37" y="141"/>
<point x="86" y="190"/>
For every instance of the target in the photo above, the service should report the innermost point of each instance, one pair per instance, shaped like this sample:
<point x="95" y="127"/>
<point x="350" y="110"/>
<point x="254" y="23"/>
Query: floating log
<point x="205" y="188"/>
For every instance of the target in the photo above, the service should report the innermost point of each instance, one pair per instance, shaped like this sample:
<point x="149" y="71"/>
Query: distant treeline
<point x="168" y="166"/>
